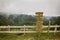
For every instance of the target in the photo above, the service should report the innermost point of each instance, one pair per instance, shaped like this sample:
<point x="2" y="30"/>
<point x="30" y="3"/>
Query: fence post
<point x="24" y="29"/>
<point x="48" y="29"/>
<point x="8" y="27"/>
<point x="55" y="31"/>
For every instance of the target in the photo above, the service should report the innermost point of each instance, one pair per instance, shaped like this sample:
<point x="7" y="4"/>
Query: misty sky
<point x="49" y="7"/>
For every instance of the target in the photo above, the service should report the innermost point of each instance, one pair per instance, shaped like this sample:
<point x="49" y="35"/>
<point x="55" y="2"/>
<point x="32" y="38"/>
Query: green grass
<point x="34" y="36"/>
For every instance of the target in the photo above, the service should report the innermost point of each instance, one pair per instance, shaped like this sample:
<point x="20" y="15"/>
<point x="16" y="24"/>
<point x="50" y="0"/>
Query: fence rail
<point x="26" y="31"/>
<point x="26" y="26"/>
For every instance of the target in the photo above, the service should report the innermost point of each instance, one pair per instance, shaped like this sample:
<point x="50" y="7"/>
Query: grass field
<point x="32" y="36"/>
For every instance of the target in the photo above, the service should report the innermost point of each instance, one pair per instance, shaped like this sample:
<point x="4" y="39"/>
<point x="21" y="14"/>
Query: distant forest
<point x="23" y="19"/>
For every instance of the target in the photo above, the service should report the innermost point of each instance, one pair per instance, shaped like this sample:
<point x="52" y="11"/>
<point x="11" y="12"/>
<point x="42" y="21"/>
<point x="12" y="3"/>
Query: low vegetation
<point x="34" y="36"/>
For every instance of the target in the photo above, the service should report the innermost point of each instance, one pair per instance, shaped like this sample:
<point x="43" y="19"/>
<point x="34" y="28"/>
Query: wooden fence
<point x="26" y="28"/>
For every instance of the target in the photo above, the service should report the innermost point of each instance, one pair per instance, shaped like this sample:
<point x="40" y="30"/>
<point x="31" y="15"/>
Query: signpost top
<point x="39" y="13"/>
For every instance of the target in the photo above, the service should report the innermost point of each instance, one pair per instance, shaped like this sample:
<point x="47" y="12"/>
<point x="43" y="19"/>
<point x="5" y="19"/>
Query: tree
<point x="53" y="20"/>
<point x="3" y="20"/>
<point x="58" y="20"/>
<point x="45" y="21"/>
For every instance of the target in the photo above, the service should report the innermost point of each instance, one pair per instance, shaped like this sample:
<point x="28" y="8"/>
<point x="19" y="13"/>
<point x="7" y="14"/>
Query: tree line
<point x="23" y="19"/>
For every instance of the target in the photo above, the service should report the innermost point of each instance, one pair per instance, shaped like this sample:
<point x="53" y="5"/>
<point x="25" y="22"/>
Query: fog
<point x="49" y="7"/>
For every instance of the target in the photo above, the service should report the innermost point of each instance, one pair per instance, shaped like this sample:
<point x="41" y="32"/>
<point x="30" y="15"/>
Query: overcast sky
<point x="49" y="7"/>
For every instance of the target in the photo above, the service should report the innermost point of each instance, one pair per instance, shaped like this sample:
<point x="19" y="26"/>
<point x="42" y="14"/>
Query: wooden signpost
<point x="39" y="24"/>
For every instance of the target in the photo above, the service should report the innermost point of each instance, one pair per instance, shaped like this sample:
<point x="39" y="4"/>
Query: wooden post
<point x="55" y="32"/>
<point x="55" y="29"/>
<point x="39" y="23"/>
<point x="48" y="29"/>
<point x="9" y="28"/>
<point x="24" y="29"/>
